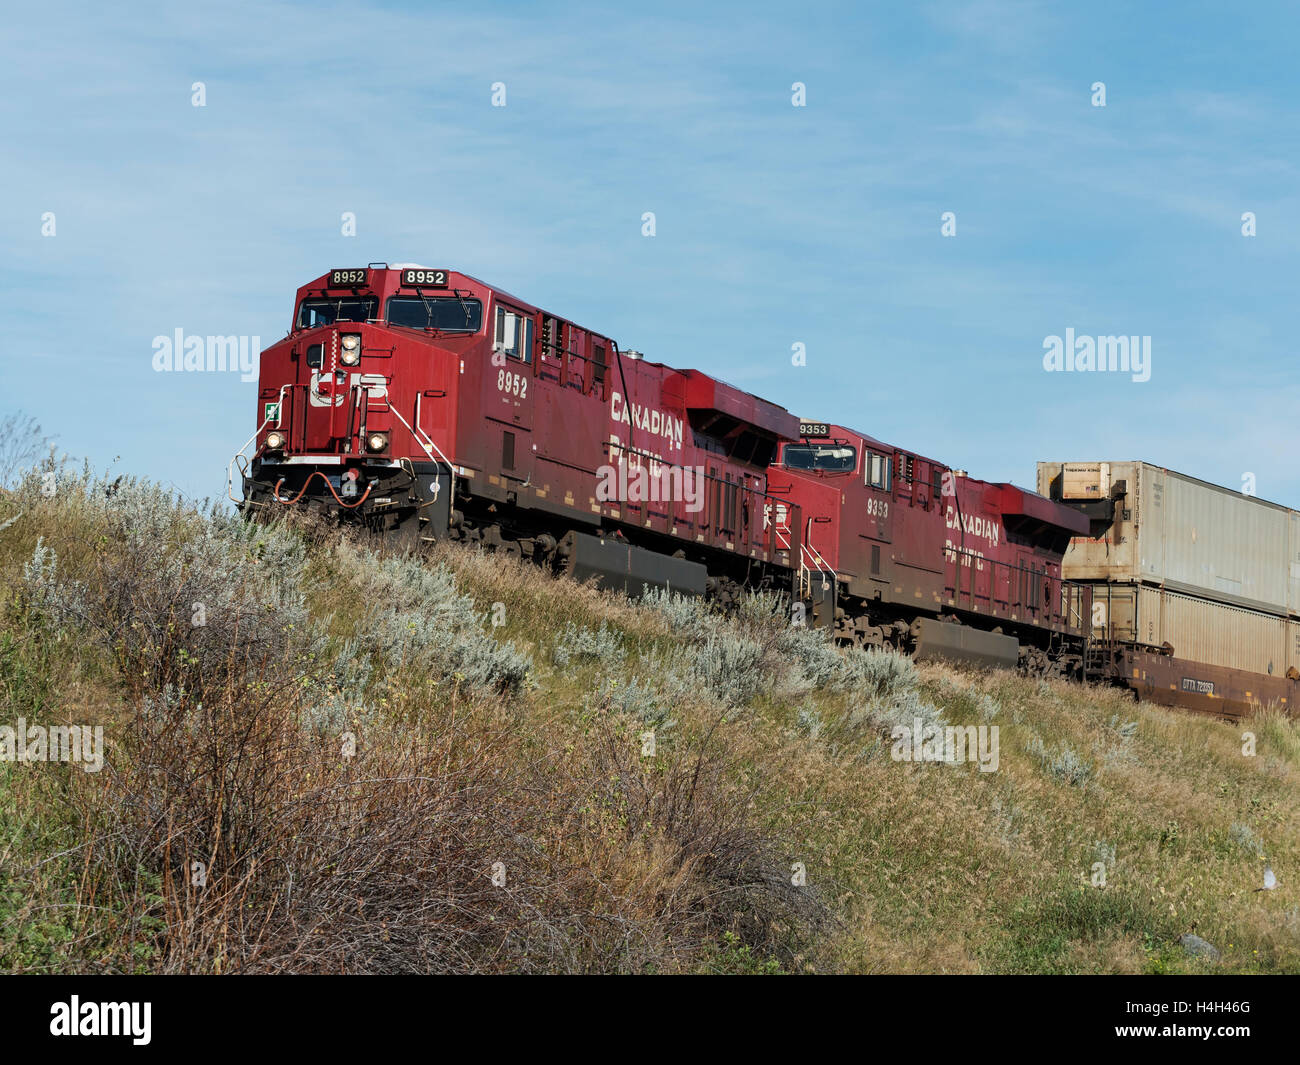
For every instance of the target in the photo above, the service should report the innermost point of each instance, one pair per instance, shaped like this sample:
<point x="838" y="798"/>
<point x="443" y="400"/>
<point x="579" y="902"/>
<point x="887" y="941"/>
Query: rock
<point x="1198" y="947"/>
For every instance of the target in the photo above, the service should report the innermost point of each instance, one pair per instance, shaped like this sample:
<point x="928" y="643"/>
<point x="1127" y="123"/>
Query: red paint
<point x="571" y="407"/>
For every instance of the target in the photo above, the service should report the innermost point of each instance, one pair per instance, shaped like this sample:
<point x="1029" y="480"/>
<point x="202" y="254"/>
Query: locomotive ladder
<point x="809" y="554"/>
<point x="809" y="559"/>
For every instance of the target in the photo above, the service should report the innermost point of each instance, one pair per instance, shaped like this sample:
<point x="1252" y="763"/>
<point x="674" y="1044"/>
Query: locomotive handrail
<point x="812" y="551"/>
<point x="808" y="551"/>
<point x="279" y="417"/>
<point x="563" y="381"/>
<point x="1080" y="605"/>
<point x="429" y="447"/>
<point x="562" y="350"/>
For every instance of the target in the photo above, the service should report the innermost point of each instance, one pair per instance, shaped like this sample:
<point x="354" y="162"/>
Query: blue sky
<point x="776" y="225"/>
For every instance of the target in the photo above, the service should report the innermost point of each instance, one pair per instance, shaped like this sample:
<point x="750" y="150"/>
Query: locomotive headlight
<point x="377" y="441"/>
<point x="274" y="441"/>
<point x="351" y="353"/>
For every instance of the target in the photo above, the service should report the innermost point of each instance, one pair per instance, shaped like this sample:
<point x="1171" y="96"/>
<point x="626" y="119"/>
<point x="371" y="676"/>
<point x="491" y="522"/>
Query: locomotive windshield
<point x="315" y="313"/>
<point x="446" y="314"/>
<point x="837" y="457"/>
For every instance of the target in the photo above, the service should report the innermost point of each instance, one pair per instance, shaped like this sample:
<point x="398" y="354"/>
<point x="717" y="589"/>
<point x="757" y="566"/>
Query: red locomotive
<point x="424" y="403"/>
<point x="924" y="558"/>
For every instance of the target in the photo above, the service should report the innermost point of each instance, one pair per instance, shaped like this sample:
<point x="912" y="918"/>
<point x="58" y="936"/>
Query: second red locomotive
<point x="929" y="560"/>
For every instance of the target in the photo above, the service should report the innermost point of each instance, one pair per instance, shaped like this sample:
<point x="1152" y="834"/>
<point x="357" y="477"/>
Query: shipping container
<point x="1153" y="526"/>
<point x="1198" y="630"/>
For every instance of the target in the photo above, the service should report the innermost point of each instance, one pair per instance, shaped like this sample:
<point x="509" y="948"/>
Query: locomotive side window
<point x="313" y="313"/>
<point x="447" y="315"/>
<point x="839" y="458"/>
<point x="514" y="334"/>
<point x="876" y="469"/>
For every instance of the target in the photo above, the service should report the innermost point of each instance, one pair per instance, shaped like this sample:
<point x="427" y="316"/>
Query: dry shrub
<point x="471" y="831"/>
<point x="173" y="598"/>
<point x="384" y="862"/>
<point x="677" y="844"/>
<point x="311" y="861"/>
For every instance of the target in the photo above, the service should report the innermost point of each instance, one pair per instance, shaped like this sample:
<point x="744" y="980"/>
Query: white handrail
<point x="816" y="555"/>
<point x="279" y="417"/>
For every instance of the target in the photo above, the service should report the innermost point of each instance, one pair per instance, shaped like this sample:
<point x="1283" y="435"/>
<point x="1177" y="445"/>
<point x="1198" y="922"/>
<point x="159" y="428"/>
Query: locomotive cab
<point x="356" y="404"/>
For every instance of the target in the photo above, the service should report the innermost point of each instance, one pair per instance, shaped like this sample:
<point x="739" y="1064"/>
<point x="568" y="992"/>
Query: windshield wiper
<point x="428" y="311"/>
<point x="463" y="305"/>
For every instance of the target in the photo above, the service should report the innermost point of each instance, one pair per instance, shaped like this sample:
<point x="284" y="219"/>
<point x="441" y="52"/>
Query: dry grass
<point x="225" y="748"/>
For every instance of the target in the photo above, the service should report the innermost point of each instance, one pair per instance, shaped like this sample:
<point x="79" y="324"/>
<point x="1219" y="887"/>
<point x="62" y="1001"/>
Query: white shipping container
<point x="1199" y="630"/>
<point x="1181" y="534"/>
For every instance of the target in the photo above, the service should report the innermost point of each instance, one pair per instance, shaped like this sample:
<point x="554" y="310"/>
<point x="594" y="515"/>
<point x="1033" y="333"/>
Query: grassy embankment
<point x="501" y="812"/>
